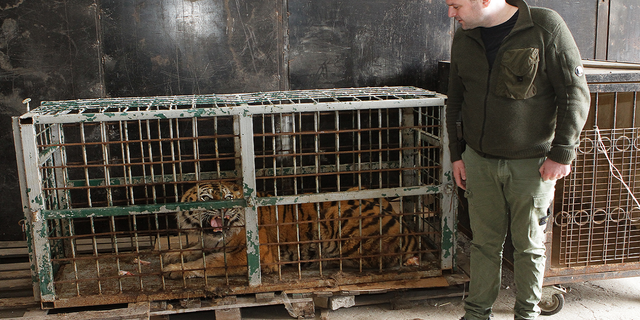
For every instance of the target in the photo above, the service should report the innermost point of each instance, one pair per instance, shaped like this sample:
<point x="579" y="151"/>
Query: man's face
<point x="467" y="12"/>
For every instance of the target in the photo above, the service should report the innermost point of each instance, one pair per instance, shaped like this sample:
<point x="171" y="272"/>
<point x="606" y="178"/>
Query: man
<point x="518" y="87"/>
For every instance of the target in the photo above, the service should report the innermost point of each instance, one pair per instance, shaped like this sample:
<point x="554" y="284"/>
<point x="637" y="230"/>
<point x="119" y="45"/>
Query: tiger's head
<point x="214" y="221"/>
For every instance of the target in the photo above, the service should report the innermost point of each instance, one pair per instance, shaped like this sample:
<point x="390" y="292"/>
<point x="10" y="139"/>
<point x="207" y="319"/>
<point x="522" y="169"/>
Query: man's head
<point x="479" y="13"/>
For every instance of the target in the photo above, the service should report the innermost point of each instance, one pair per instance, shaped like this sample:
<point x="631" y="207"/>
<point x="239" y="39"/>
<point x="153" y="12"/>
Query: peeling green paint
<point x="447" y="238"/>
<point x="448" y="175"/>
<point x="248" y="190"/>
<point x="38" y="200"/>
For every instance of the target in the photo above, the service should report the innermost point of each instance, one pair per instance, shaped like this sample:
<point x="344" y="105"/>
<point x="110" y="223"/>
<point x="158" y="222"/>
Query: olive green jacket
<point x="533" y="103"/>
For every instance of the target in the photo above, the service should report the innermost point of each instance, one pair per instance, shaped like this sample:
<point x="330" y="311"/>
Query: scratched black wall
<point x="71" y="49"/>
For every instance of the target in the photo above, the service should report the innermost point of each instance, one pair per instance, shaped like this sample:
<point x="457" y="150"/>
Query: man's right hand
<point x="460" y="174"/>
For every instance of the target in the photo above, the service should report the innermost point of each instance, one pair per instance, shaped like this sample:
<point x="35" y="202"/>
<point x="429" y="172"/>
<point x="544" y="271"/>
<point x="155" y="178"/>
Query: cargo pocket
<point x="540" y="214"/>
<point x="517" y="73"/>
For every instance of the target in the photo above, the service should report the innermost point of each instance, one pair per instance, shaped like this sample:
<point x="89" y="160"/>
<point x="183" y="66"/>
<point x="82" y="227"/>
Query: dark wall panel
<point x="581" y="17"/>
<point x="624" y="31"/>
<point x="345" y="43"/>
<point x="48" y="51"/>
<point x="169" y="47"/>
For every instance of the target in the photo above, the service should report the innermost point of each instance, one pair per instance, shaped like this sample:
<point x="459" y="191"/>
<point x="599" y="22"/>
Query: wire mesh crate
<point x="179" y="197"/>
<point x="596" y="234"/>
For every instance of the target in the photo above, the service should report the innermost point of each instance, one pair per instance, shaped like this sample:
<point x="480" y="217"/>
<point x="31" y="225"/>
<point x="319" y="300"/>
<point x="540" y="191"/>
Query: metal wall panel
<point x="366" y="43"/>
<point x="581" y="17"/>
<point x="190" y="47"/>
<point x="624" y="33"/>
<point x="48" y="49"/>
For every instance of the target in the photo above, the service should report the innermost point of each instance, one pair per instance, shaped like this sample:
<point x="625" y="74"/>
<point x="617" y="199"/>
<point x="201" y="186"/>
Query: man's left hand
<point x="551" y="170"/>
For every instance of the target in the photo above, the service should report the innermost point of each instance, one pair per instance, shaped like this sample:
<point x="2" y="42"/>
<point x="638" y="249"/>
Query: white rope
<point x="612" y="168"/>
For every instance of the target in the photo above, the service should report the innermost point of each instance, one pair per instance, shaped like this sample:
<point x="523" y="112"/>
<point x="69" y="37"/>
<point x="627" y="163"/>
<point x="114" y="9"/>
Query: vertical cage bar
<point x="24" y="196"/>
<point x="34" y="217"/>
<point x="449" y="203"/>
<point x="245" y="124"/>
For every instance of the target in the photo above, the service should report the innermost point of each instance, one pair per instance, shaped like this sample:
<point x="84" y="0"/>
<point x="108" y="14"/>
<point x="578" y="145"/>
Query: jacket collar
<point x="524" y="20"/>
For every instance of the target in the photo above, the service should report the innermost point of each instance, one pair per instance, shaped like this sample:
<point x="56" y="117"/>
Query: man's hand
<point x="551" y="170"/>
<point x="460" y="174"/>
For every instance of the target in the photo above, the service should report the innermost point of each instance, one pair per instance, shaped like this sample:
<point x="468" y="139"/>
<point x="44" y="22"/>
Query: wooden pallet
<point x="16" y="287"/>
<point x="15" y="279"/>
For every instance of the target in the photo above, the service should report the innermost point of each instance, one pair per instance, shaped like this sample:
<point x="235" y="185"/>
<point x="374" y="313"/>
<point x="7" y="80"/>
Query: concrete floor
<point x="598" y="300"/>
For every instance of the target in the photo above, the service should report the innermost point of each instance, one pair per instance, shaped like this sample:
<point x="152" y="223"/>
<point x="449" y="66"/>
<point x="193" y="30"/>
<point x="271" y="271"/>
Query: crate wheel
<point x="551" y="304"/>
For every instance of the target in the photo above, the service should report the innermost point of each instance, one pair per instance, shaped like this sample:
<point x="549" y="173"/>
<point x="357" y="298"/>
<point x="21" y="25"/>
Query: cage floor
<point x="142" y="275"/>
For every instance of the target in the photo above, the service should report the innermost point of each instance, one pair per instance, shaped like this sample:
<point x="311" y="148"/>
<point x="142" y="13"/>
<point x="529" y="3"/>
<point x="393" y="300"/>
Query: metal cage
<point x="596" y="234"/>
<point x="102" y="182"/>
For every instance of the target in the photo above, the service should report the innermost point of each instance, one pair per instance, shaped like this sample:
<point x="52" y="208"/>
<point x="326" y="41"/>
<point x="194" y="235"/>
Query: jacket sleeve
<point x="566" y="74"/>
<point x="453" y="109"/>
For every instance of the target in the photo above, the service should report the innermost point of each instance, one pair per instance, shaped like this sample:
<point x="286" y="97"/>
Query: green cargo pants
<point x="502" y="192"/>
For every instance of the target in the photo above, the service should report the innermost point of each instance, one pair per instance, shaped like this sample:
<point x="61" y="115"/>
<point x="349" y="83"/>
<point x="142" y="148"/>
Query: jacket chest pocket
<point x="517" y="72"/>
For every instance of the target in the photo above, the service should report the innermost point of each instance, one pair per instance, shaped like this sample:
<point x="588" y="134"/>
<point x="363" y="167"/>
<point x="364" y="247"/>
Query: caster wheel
<point x="551" y="304"/>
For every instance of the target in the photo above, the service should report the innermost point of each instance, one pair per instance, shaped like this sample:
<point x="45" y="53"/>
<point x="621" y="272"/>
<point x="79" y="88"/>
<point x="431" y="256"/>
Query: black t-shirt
<point x="493" y="36"/>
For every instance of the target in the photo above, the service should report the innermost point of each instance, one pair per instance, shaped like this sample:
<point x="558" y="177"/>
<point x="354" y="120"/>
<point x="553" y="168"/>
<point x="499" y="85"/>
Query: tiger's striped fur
<point x="352" y="232"/>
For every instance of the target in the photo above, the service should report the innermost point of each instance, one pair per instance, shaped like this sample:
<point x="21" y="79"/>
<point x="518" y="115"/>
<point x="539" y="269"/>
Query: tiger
<point x="328" y="232"/>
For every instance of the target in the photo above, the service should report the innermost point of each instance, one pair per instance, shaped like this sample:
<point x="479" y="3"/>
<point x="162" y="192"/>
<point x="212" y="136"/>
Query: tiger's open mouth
<point x="216" y="224"/>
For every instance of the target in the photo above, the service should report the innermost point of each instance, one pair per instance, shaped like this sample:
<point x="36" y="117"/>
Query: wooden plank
<point x="15" y="266"/>
<point x="14" y="252"/>
<point x="13" y="244"/>
<point x="20" y="302"/>
<point x="134" y="311"/>
<point x="15" y="274"/>
<point x="228" y="314"/>
<point x="16" y="284"/>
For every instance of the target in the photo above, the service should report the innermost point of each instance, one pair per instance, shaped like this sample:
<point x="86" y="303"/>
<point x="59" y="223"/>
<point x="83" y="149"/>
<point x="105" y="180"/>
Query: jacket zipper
<point x="484" y="119"/>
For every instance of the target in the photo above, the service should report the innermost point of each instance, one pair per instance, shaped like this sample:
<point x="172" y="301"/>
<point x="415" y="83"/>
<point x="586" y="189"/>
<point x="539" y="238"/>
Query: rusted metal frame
<point x="140" y="209"/>
<point x="380" y="139"/>
<point x="114" y="238"/>
<point x="400" y="149"/>
<point x="181" y="102"/>
<point x="400" y="127"/>
<point x="152" y="170"/>
<point x="83" y="147"/>
<point x="232" y="111"/>
<point x="181" y="245"/>
<point x="63" y="196"/>
<point x="176" y="198"/>
<point x="357" y="123"/>
<point x="105" y="162"/>
<point x="295" y="188"/>
<point x="337" y="144"/>
<point x="197" y="169"/>
<point x="316" y="142"/>
<point x="351" y="195"/>
<point x="594" y="192"/>
<point x="409" y="160"/>
<point x="592" y="276"/>
<point x="609" y="154"/>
